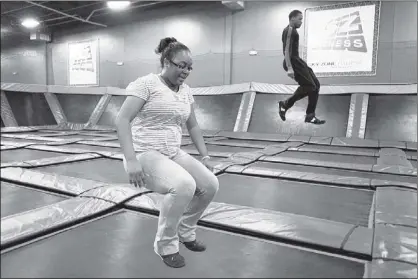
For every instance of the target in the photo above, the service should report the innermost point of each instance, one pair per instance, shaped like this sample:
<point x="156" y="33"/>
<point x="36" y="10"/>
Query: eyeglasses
<point x="182" y="67"/>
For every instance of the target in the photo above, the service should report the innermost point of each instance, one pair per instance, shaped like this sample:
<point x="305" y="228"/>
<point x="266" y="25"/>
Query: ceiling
<point x="65" y="15"/>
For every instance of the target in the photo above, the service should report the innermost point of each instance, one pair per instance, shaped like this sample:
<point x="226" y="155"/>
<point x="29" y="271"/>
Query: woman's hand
<point x="135" y="173"/>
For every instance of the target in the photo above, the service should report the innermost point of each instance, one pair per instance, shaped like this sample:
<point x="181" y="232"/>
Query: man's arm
<point x="288" y="49"/>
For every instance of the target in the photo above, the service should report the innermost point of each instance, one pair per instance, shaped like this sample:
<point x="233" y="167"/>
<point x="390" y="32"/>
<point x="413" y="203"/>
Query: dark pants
<point x="308" y="85"/>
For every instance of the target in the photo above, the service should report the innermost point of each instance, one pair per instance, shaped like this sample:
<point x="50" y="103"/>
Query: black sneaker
<point x="174" y="260"/>
<point x="282" y="111"/>
<point x="195" y="246"/>
<point x="314" y="120"/>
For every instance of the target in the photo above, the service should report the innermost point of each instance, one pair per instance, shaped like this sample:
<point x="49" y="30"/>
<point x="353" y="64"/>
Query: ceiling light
<point x="118" y="5"/>
<point x="30" y="23"/>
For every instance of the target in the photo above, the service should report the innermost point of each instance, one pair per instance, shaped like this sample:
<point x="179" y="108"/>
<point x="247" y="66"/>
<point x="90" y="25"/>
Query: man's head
<point x="175" y="60"/>
<point x="295" y="18"/>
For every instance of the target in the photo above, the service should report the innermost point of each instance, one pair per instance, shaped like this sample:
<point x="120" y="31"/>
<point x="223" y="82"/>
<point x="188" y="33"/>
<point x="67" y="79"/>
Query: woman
<point x="158" y="106"/>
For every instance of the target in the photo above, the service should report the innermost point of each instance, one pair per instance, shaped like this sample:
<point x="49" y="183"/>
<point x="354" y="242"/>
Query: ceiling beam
<point x="67" y="15"/>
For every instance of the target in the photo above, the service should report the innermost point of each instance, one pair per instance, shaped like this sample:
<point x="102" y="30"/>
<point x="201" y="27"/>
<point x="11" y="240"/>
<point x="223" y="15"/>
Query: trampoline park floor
<point x="322" y="207"/>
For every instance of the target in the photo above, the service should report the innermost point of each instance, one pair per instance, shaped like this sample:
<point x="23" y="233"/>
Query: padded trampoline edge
<point x="26" y="226"/>
<point x="277" y="226"/>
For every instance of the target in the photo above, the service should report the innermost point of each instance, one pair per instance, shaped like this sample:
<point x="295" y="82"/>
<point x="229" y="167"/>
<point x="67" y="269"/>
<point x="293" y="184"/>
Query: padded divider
<point x="395" y="170"/>
<point x="34" y="137"/>
<point x="48" y="181"/>
<point x="395" y="243"/>
<point x="390" y="269"/>
<point x="360" y="240"/>
<point x="411" y="145"/>
<point x="337" y="150"/>
<point x="396" y="206"/>
<point x="22" y="87"/>
<point x="222" y="89"/>
<point x="355" y="142"/>
<point x="35" y="222"/>
<point x="389" y="183"/>
<point x="117" y="194"/>
<point x="254" y="136"/>
<point x="339" y="89"/>
<point x="50" y="161"/>
<point x="357" y="182"/>
<point x="320" y="140"/>
<point x="266" y="223"/>
<point x="309" y="162"/>
<point x="99" y="109"/>
<point x="55" y="108"/>
<point x="304" y="139"/>
<point x="392" y="144"/>
<point x="393" y="157"/>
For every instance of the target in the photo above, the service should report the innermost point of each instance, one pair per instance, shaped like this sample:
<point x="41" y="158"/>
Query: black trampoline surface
<point x="16" y="199"/>
<point x="17" y="155"/>
<point x="121" y="245"/>
<point x="338" y="204"/>
<point x="103" y="169"/>
<point x="332" y="171"/>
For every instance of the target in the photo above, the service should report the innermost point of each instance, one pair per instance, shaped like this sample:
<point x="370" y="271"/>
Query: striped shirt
<point x="157" y="125"/>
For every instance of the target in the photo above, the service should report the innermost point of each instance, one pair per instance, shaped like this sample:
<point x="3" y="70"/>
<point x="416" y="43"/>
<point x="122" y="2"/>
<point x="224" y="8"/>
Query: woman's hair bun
<point x="164" y="43"/>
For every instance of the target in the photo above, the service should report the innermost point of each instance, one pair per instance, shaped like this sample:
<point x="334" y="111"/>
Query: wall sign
<point x="83" y="66"/>
<point x="342" y="39"/>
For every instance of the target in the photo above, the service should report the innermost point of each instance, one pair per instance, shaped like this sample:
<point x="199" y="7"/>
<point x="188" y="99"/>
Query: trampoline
<point x="284" y="203"/>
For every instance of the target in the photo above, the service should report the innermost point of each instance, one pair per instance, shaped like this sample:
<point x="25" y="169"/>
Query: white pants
<point x="188" y="186"/>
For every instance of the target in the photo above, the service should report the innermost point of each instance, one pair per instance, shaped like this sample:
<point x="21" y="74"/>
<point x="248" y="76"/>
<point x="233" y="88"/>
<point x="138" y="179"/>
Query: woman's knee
<point x="184" y="186"/>
<point x="212" y="186"/>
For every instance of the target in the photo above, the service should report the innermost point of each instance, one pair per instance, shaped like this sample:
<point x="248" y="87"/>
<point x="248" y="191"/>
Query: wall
<point x="220" y="41"/>
<point x="24" y="63"/>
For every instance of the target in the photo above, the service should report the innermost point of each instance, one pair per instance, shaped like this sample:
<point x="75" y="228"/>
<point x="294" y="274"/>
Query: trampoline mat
<point x="16" y="199"/>
<point x="89" y="147"/>
<point x="121" y="245"/>
<point x="329" y="157"/>
<point x="331" y="171"/>
<point x="338" y="204"/>
<point x="103" y="169"/>
<point x="18" y="155"/>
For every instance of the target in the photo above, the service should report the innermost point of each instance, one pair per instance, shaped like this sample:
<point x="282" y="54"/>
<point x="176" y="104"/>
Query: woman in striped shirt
<point x="149" y="122"/>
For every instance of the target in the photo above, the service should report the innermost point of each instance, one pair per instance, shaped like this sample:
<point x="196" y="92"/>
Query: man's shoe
<point x="314" y="120"/>
<point x="282" y="111"/>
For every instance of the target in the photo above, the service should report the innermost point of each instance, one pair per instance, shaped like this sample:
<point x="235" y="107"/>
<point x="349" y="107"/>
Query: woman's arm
<point x="196" y="133"/>
<point x="127" y="113"/>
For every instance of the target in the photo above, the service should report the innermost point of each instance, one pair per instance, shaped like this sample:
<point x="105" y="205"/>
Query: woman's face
<point x="179" y="68"/>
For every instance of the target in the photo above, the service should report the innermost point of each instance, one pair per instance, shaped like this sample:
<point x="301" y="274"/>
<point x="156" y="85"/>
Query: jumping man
<point x="298" y="70"/>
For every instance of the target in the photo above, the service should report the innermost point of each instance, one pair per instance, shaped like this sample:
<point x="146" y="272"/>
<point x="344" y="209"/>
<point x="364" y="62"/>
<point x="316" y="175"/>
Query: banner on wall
<point x="83" y="66"/>
<point x="342" y="39"/>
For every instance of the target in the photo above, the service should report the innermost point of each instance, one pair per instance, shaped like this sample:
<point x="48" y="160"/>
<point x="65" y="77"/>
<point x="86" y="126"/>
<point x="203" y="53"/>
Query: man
<point x="298" y="70"/>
